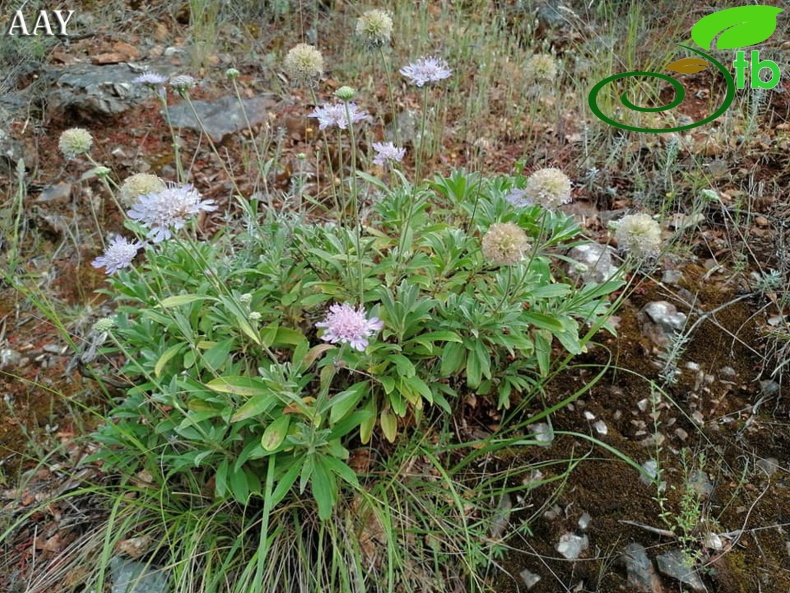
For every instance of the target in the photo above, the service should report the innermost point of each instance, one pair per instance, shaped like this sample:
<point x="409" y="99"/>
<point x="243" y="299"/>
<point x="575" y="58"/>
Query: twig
<point x="656" y="530"/>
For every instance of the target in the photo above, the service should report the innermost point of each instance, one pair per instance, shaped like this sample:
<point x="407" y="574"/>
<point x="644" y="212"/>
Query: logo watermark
<point x="46" y="23"/>
<point x="736" y="28"/>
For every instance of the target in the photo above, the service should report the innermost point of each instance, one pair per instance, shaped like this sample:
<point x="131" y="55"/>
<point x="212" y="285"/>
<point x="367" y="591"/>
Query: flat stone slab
<point x="222" y="117"/>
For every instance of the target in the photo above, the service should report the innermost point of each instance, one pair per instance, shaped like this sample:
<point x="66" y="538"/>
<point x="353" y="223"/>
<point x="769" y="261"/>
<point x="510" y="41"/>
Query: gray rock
<point x="9" y="358"/>
<point x="660" y="320"/>
<point x="530" y="578"/>
<point x="10" y="151"/>
<point x="222" y="117"/>
<point x="673" y="564"/>
<point x="769" y="388"/>
<point x="87" y="92"/>
<point x="672" y="276"/>
<point x="699" y="482"/>
<point x="553" y="15"/>
<point x="768" y="465"/>
<point x="571" y="545"/>
<point x="594" y="263"/>
<point x="642" y="575"/>
<point x="727" y="373"/>
<point x="501" y="517"/>
<point x="544" y="435"/>
<point x="129" y="576"/>
<point x="59" y="193"/>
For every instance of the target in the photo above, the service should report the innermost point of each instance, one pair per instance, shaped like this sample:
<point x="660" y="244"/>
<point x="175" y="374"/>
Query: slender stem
<point x="388" y="72"/>
<point x="355" y="204"/>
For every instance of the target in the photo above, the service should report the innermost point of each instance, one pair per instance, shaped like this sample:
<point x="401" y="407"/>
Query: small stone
<point x="692" y="366"/>
<point x="762" y="221"/>
<point x="589" y="415"/>
<point x="673" y="564"/>
<point x="501" y="517"/>
<point x="60" y="193"/>
<point x="672" y="276"/>
<point x="642" y="575"/>
<point x="712" y="541"/>
<point x="769" y="388"/>
<point x="544" y="435"/>
<point x="593" y="263"/>
<point x="651" y="471"/>
<point x="727" y="373"/>
<point x="112" y="57"/>
<point x="660" y="321"/>
<point x="584" y="521"/>
<point x="768" y="465"/>
<point x="571" y="546"/>
<point x="530" y="578"/>
<point x="642" y="404"/>
<point x="681" y="434"/>
<point x="700" y="483"/>
<point x="553" y="512"/>
<point x="54" y="349"/>
<point x="601" y="428"/>
<point x="680" y="221"/>
<point x="129" y="576"/>
<point x="9" y="358"/>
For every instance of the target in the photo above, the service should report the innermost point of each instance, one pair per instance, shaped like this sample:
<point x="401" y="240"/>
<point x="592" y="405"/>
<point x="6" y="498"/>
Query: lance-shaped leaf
<point x="688" y="65"/>
<point x="739" y="27"/>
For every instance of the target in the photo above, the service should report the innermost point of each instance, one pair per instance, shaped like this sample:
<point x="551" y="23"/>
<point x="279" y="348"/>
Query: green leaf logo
<point x="687" y="65"/>
<point x="739" y="27"/>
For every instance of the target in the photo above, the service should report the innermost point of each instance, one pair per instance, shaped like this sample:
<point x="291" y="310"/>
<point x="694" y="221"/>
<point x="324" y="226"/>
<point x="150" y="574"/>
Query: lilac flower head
<point x="119" y="254"/>
<point x="426" y="70"/>
<point x="347" y="325"/>
<point x="335" y="115"/>
<point x="518" y="197"/>
<point x="387" y="152"/>
<point x="183" y="83"/>
<point x="168" y="209"/>
<point x="151" y="79"/>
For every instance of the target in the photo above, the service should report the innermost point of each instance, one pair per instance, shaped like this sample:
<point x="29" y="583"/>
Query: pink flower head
<point x="335" y="115"/>
<point x="151" y="79"/>
<point x="426" y="70"/>
<point x="387" y="152"/>
<point x="119" y="254"/>
<point x="347" y="325"/>
<point x="168" y="209"/>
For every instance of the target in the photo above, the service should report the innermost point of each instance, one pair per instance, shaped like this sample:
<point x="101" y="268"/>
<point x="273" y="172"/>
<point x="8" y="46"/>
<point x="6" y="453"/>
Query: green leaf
<point x="221" y="479"/>
<point x="257" y="405"/>
<point x="183" y="299"/>
<point x="340" y="469"/>
<point x="739" y="27"/>
<point x="274" y="435"/>
<point x="367" y="426"/>
<point x="439" y="336"/>
<point x="237" y="482"/>
<point x="167" y="355"/>
<point x="346" y="400"/>
<point x="417" y="385"/>
<point x="474" y="372"/>
<point x="543" y="321"/>
<point x="389" y="425"/>
<point x="543" y="351"/>
<point x="286" y="482"/>
<point x="324" y="487"/>
<point x="239" y="385"/>
<point x="453" y="356"/>
<point x="484" y="359"/>
<point x="550" y="291"/>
